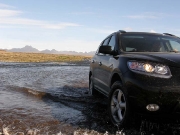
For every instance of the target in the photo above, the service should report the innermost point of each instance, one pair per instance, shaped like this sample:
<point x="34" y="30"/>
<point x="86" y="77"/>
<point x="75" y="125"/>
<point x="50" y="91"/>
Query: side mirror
<point x="105" y="50"/>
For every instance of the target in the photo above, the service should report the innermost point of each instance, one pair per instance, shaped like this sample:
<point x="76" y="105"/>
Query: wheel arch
<point x="115" y="77"/>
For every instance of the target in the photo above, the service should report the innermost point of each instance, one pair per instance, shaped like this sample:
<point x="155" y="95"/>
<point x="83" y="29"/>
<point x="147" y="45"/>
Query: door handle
<point x="100" y="63"/>
<point x="111" y="66"/>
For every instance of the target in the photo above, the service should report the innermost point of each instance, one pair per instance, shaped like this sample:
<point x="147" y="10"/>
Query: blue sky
<point x="80" y="25"/>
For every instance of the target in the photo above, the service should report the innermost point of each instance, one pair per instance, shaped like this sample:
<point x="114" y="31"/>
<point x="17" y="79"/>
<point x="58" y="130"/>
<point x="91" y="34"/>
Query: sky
<point x="81" y="25"/>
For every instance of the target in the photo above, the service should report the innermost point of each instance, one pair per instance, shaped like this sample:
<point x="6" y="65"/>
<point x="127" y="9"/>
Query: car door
<point x="95" y="67"/>
<point x="99" y="73"/>
<point x="107" y="66"/>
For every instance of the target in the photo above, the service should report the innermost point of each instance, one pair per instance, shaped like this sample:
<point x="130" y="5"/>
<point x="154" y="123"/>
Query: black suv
<point x="139" y="72"/>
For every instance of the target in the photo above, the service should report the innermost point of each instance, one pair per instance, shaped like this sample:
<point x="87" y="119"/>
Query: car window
<point x="106" y="42"/>
<point x="112" y="42"/>
<point x="175" y="45"/>
<point x="97" y="51"/>
<point x="150" y="43"/>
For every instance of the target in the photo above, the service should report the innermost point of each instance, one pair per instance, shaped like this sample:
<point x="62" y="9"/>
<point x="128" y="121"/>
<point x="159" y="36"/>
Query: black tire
<point x="118" y="106"/>
<point x="92" y="90"/>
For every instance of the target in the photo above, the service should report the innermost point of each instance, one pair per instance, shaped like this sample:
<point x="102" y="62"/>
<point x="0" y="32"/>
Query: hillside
<point x="30" y="49"/>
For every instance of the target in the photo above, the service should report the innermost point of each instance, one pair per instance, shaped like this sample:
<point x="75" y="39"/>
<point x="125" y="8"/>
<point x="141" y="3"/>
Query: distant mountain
<point x="76" y="53"/>
<point x="30" y="49"/>
<point x="27" y="48"/>
<point x="53" y="51"/>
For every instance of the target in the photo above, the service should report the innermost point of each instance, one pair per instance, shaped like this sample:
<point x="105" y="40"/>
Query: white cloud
<point x="12" y="17"/>
<point x="5" y="6"/>
<point x="23" y="21"/>
<point x="8" y="13"/>
<point x="39" y="23"/>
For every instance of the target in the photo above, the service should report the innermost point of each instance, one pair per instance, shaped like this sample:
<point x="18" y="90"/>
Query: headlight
<point x="152" y="69"/>
<point x="148" y="68"/>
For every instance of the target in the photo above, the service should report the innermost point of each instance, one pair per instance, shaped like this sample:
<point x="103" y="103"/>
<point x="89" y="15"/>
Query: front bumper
<point x="143" y="90"/>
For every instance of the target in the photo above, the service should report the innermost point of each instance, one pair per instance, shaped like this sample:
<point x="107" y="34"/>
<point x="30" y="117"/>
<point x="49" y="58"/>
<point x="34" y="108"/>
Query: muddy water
<point x="51" y="98"/>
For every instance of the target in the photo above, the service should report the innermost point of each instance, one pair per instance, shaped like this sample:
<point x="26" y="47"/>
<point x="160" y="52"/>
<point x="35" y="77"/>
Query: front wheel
<point x="118" y="106"/>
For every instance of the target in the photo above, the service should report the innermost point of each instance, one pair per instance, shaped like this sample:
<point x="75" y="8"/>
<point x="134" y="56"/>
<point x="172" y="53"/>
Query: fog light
<point x="152" y="107"/>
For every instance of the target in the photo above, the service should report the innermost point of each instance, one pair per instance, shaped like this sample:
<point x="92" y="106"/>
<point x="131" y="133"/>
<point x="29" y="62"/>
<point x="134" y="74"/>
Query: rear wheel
<point x="118" y="106"/>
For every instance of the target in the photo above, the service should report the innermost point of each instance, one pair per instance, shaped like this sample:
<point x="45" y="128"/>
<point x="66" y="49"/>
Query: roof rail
<point x="122" y="31"/>
<point x="169" y="34"/>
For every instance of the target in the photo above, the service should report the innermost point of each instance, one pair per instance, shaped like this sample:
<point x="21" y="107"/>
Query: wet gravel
<point x="52" y="98"/>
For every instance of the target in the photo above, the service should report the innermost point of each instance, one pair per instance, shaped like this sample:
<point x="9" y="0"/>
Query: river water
<point x="48" y="98"/>
<point x="52" y="99"/>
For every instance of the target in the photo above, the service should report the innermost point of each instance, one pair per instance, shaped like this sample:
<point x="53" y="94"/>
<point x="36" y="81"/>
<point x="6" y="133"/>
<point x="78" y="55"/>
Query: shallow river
<point x="49" y="98"/>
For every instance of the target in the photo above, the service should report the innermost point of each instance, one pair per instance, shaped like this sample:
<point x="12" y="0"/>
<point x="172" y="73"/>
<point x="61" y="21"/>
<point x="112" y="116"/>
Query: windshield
<point x="150" y="43"/>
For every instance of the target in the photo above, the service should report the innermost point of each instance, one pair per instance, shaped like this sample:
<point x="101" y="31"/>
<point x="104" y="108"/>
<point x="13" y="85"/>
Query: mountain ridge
<point x="30" y="49"/>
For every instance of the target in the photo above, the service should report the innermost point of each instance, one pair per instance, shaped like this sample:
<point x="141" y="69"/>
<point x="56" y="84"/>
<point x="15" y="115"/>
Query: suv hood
<point x="172" y="59"/>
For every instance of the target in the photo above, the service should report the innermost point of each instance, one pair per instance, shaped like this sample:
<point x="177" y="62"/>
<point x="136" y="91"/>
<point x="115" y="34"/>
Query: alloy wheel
<point x="118" y="105"/>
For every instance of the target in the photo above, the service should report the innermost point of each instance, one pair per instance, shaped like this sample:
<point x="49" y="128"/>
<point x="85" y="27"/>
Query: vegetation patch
<point x="39" y="57"/>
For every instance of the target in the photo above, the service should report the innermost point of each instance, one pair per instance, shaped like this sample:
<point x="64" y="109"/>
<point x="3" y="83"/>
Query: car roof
<point x="146" y="33"/>
<point x="142" y="33"/>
